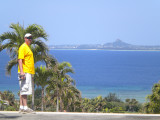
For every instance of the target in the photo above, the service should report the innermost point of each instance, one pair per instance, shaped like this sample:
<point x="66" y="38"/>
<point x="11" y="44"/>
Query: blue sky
<point x="87" y="21"/>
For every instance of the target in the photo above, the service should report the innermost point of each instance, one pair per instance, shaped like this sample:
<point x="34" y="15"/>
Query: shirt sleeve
<point x="21" y="53"/>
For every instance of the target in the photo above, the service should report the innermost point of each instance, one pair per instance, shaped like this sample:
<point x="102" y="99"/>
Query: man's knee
<point x="24" y="96"/>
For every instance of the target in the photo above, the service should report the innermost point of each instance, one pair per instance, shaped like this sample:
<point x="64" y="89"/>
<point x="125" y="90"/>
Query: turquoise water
<point x="129" y="74"/>
<point x="122" y="92"/>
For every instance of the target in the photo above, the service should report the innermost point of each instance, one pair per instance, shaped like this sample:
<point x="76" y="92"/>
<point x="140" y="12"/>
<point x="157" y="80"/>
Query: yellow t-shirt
<point x="26" y="55"/>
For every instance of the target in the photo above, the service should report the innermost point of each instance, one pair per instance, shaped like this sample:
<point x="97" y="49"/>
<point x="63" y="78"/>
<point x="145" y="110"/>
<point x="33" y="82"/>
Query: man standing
<point x="26" y="71"/>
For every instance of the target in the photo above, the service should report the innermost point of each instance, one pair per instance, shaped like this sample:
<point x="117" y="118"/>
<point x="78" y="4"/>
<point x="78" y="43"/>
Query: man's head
<point x="28" y="38"/>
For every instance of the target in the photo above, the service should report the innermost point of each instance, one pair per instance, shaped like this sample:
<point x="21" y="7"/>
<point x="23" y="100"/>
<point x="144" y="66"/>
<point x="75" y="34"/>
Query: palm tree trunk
<point x="68" y="108"/>
<point x="74" y="107"/>
<point x="57" y="109"/>
<point x="61" y="104"/>
<point x="42" y="107"/>
<point x="32" y="93"/>
<point x="69" y="103"/>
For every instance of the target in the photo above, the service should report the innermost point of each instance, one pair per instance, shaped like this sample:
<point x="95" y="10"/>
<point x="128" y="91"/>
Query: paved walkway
<point x="5" y="115"/>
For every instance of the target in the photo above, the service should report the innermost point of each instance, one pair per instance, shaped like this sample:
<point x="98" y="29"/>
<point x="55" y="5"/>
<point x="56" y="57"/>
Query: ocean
<point x="129" y="74"/>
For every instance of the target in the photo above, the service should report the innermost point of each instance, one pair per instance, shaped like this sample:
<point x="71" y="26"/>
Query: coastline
<point x="91" y="92"/>
<point x="103" y="49"/>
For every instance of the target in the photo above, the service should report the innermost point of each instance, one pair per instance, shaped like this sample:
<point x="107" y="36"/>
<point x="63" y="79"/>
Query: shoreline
<point x="89" y="93"/>
<point x="103" y="49"/>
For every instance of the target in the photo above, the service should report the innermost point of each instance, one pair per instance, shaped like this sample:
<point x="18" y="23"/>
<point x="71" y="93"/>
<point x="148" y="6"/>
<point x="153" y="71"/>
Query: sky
<point x="72" y="22"/>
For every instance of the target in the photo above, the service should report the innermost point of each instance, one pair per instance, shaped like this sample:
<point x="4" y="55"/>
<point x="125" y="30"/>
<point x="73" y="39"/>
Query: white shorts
<point x="26" y="85"/>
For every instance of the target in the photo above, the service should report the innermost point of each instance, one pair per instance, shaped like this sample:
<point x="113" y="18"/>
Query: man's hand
<point x="22" y="76"/>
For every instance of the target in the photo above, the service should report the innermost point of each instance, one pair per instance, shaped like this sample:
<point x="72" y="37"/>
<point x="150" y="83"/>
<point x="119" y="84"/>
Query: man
<point x="26" y="71"/>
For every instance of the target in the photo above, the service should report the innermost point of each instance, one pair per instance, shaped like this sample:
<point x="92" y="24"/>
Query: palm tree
<point x="60" y="81"/>
<point x="112" y="97"/>
<point x="41" y="79"/>
<point x="72" y="99"/>
<point x="50" y="101"/>
<point x="13" y="40"/>
<point x="132" y="104"/>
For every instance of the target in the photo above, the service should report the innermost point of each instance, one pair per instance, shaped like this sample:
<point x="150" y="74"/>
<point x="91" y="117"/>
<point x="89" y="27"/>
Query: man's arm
<point x="21" y="68"/>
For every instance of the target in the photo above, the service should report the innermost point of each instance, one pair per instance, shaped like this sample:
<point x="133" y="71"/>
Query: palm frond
<point x="42" y="75"/>
<point x="68" y="70"/>
<point x="41" y="45"/>
<point x="13" y="53"/>
<point x="70" y="80"/>
<point x="8" y="35"/>
<point x="51" y="62"/>
<point x="10" y="64"/>
<point x="37" y="31"/>
<point x="12" y="49"/>
<point x="18" y="29"/>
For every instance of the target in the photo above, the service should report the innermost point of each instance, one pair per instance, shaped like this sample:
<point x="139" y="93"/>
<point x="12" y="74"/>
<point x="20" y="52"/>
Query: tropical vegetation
<point x="153" y="103"/>
<point x="41" y="79"/>
<point x="61" y="84"/>
<point x="74" y="103"/>
<point x="8" y="101"/>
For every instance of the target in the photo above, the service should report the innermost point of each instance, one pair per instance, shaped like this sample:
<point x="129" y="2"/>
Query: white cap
<point x="28" y="35"/>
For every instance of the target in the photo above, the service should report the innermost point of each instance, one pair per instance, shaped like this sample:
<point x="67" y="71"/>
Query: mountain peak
<point x="117" y="43"/>
<point x="118" y="40"/>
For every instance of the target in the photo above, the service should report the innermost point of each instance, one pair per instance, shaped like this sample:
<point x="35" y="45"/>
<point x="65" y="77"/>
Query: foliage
<point x="10" y="108"/>
<point x="72" y="99"/>
<point x="112" y="98"/>
<point x="41" y="78"/>
<point x="132" y="105"/>
<point x="110" y="103"/>
<point x="61" y="86"/>
<point x="8" y="101"/>
<point x="153" y="104"/>
<point x="8" y="96"/>
<point x="117" y="110"/>
<point x="73" y="102"/>
<point x="37" y="99"/>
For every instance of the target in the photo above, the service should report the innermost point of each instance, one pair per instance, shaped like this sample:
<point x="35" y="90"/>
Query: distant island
<point x="117" y="45"/>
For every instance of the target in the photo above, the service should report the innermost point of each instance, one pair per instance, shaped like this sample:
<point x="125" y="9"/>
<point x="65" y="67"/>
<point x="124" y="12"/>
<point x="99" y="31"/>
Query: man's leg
<point x="24" y="100"/>
<point x="21" y="103"/>
<point x="29" y="92"/>
<point x="26" y="90"/>
<point x="21" y="108"/>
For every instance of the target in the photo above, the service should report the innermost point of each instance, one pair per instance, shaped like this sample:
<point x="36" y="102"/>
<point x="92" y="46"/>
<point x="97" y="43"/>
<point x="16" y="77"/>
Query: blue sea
<point x="129" y="74"/>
